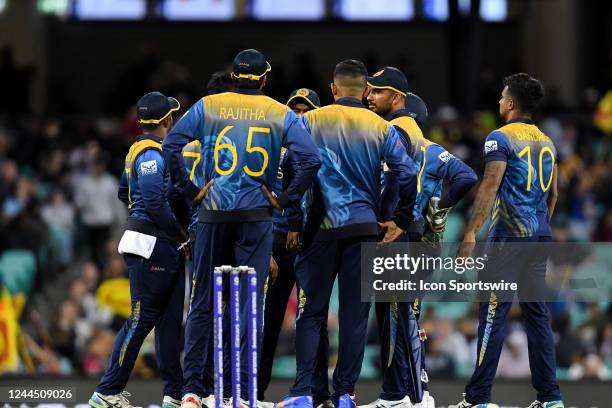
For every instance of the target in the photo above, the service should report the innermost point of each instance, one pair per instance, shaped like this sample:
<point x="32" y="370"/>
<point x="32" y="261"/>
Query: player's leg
<point x="402" y="376"/>
<point x="277" y="296"/>
<point x="167" y="348"/>
<point x="211" y="242"/>
<point x="320" y="380"/>
<point x="252" y="247"/>
<point x="502" y="264"/>
<point x="314" y="273"/>
<point x="352" y="318"/>
<point x="149" y="283"/>
<point x="540" y="341"/>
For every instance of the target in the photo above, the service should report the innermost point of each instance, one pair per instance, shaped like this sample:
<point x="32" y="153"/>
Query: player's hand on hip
<point x="294" y="241"/>
<point x="273" y="270"/>
<point x="271" y="197"/>
<point x="467" y="246"/>
<point x="392" y="231"/>
<point x="203" y="192"/>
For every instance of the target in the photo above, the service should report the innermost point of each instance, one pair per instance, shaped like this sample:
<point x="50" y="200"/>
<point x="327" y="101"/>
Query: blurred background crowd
<point x="61" y="220"/>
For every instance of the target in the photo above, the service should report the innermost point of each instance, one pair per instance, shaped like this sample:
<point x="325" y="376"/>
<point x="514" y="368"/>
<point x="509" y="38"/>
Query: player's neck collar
<point x="248" y="91"/>
<point x="149" y="137"/>
<point x="350" y="101"/>
<point x="520" y="120"/>
<point x="398" y="113"/>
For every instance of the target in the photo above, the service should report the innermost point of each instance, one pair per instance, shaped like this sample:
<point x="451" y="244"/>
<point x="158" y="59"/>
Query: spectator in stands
<point x="99" y="207"/>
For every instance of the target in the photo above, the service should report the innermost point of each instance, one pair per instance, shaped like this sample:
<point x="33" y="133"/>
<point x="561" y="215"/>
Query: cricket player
<point x="402" y="355"/>
<point x="150" y="249"/>
<point x="520" y="187"/>
<point x="287" y="227"/>
<point x="354" y="142"/>
<point x="192" y="155"/>
<point x="241" y="133"/>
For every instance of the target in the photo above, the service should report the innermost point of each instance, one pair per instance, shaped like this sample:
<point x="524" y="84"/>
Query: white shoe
<point x="191" y="401"/>
<point x="381" y="403"/>
<point x="427" y="401"/>
<point x="264" y="404"/>
<point x="120" y="400"/>
<point x="209" y="401"/>
<point x="170" y="402"/>
<point x="465" y="404"/>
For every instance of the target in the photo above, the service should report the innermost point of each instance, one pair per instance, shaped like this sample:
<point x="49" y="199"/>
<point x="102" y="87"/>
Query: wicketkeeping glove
<point x="436" y="221"/>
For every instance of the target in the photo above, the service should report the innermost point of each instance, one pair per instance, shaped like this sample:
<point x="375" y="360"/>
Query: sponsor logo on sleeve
<point x="445" y="157"/>
<point x="148" y="167"/>
<point x="490" y="146"/>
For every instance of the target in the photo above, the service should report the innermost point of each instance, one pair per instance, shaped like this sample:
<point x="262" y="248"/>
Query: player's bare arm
<point x="493" y="174"/>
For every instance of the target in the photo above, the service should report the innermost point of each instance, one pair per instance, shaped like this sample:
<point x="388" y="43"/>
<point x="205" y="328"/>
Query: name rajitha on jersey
<point x="530" y="156"/>
<point x="241" y="136"/>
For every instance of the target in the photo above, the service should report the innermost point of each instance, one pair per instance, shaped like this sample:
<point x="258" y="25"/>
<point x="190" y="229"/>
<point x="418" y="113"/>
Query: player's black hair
<point x="526" y="90"/>
<point x="351" y="72"/>
<point x="246" y="83"/>
<point x="219" y="82"/>
<point x="149" y="127"/>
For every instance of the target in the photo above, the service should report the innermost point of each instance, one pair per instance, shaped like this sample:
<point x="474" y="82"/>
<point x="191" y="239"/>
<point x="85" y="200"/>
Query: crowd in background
<point x="58" y="205"/>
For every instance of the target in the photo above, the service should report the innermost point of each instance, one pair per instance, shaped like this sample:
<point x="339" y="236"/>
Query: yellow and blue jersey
<point x="241" y="135"/>
<point x="143" y="188"/>
<point x="520" y="206"/>
<point x="354" y="142"/>
<point x="433" y="165"/>
<point x="192" y="157"/>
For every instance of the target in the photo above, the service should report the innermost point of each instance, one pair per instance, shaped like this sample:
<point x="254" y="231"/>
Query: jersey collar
<point x="148" y="136"/>
<point x="398" y="114"/>
<point x="520" y="120"/>
<point x="350" y="101"/>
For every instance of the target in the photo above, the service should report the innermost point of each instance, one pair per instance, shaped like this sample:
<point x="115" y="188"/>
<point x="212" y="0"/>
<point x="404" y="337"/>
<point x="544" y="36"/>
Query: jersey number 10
<point x="527" y="151"/>
<point x="250" y="149"/>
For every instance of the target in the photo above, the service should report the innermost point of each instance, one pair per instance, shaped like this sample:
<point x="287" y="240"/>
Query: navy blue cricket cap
<point x="389" y="78"/>
<point x="308" y="96"/>
<point x="155" y="107"/>
<point x="250" y="64"/>
<point x="416" y="107"/>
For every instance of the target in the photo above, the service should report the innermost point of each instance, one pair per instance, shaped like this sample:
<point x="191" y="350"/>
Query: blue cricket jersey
<point x="241" y="135"/>
<point x="354" y="142"/>
<point x="433" y="165"/>
<point x="520" y="206"/>
<point x="143" y="188"/>
<point x="192" y="156"/>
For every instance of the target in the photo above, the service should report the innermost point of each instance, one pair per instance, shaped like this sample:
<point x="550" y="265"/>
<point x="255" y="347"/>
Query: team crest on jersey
<point x="445" y="157"/>
<point x="148" y="167"/>
<point x="490" y="146"/>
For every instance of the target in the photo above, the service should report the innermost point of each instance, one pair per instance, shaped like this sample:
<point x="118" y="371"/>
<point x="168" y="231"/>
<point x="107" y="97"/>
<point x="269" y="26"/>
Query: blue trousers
<point x="218" y="244"/>
<point x="315" y="270"/>
<point x="277" y="297"/>
<point x="157" y="290"/>
<point x="401" y="350"/>
<point x="512" y="264"/>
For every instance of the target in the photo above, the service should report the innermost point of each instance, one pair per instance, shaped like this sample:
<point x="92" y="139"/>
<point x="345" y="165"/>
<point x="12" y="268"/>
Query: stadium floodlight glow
<point x="286" y="10"/>
<point x="110" y="9"/>
<point x="493" y="10"/>
<point x="57" y="7"/>
<point x="374" y="10"/>
<point x="2" y="5"/>
<point x="222" y="10"/>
